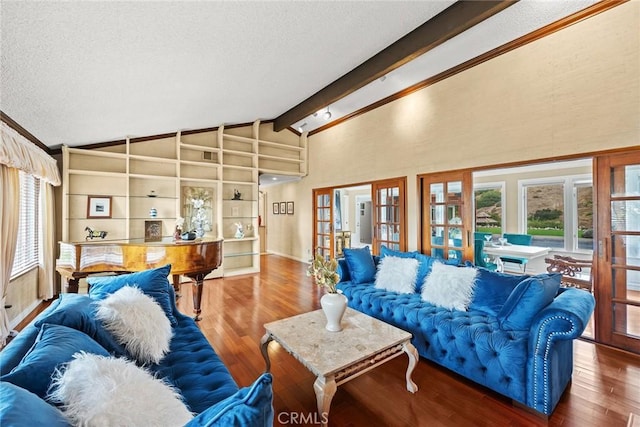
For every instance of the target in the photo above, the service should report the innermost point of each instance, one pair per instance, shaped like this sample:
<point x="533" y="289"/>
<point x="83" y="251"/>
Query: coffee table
<point x="337" y="357"/>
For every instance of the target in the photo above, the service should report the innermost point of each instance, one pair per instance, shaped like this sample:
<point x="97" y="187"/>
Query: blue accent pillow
<point x="250" y="406"/>
<point x="152" y="282"/>
<point x="492" y="289"/>
<point x="362" y="268"/>
<point x="20" y="407"/>
<point x="78" y="312"/>
<point x="527" y="299"/>
<point x="385" y="251"/>
<point x="54" y="346"/>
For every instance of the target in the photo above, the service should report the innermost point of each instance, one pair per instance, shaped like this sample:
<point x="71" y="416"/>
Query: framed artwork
<point x="98" y="206"/>
<point x="283" y="208"/>
<point x="276" y="208"/>
<point x="152" y="231"/>
<point x="289" y="208"/>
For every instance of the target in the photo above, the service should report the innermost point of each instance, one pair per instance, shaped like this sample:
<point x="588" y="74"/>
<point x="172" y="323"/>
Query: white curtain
<point x="46" y="257"/>
<point x="9" y="214"/>
<point x="18" y="153"/>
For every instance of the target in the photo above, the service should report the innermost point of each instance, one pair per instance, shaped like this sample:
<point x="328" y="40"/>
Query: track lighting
<point x="327" y="114"/>
<point x="301" y="127"/>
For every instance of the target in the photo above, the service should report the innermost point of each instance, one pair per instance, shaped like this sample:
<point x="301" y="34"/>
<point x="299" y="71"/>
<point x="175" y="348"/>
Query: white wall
<point x="575" y="91"/>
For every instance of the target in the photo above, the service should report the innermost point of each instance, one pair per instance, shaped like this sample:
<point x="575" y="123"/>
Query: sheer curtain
<point x="17" y="153"/>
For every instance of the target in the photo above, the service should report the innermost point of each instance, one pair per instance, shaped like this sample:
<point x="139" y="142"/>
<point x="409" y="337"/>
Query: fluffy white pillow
<point x="136" y="321"/>
<point x="106" y="391"/>
<point x="449" y="286"/>
<point x="397" y="274"/>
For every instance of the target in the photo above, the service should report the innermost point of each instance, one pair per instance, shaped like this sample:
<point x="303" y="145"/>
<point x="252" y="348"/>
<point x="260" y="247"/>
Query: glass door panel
<point x="446" y="216"/>
<point x="322" y="219"/>
<point x="389" y="214"/>
<point x="618" y="251"/>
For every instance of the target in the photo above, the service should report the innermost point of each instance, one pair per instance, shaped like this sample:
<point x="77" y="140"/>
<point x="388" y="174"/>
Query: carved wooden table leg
<point x="325" y="388"/>
<point x="176" y="284"/>
<point x="413" y="360"/>
<point x="264" y="344"/>
<point x="196" y="288"/>
<point x="72" y="285"/>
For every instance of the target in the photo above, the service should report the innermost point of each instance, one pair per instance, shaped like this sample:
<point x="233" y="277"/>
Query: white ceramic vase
<point x="333" y="306"/>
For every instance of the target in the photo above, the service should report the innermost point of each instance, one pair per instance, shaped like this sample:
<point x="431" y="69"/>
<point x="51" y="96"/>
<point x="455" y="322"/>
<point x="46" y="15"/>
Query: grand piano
<point x="192" y="258"/>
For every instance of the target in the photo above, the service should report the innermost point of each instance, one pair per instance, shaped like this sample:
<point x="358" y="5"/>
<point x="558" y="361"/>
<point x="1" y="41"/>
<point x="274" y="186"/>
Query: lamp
<point x="327" y="114"/>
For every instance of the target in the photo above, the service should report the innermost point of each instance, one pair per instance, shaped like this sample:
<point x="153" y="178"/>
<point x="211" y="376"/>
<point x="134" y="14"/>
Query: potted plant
<point x="324" y="272"/>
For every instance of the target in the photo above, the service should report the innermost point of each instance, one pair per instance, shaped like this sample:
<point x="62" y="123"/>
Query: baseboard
<point x="306" y="261"/>
<point x="20" y="317"/>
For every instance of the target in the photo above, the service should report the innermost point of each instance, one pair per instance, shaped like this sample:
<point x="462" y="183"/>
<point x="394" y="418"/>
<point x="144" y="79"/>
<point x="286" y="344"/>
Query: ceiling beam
<point x="452" y="21"/>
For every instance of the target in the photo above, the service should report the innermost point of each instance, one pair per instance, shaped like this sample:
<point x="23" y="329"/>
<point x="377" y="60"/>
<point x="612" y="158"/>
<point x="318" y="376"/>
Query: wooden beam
<point x="452" y="21"/>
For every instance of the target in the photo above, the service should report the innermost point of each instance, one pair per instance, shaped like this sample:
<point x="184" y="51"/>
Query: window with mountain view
<point x="488" y="203"/>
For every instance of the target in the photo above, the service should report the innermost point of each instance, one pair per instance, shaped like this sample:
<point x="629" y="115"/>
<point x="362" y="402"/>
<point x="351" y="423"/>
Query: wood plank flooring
<point x="604" y="391"/>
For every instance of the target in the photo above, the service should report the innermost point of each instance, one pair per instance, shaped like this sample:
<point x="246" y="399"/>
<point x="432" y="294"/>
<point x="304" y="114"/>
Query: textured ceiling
<point x="83" y="72"/>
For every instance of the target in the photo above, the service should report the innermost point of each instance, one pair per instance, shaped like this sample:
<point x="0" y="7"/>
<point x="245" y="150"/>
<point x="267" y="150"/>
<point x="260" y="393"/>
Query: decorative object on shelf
<point x="276" y="208"/>
<point x="188" y="235"/>
<point x="333" y="303"/>
<point x="283" y="208"/>
<point x="93" y="234"/>
<point x="178" y="231"/>
<point x="152" y="231"/>
<point x="152" y="193"/>
<point x="289" y="208"/>
<point x="239" y="230"/>
<point x="198" y="209"/>
<point x="237" y="195"/>
<point x="98" y="206"/>
<point x="153" y="212"/>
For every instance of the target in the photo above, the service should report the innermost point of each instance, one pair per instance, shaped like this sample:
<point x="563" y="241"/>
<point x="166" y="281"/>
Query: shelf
<point x="239" y="182"/>
<point x="239" y="200"/>
<point x="244" y="239"/>
<point x="240" y="217"/>
<point x="279" y="159"/>
<point x="199" y="148"/>
<point x="238" y="138"/>
<point x="171" y="160"/>
<point x="155" y="177"/>
<point x="203" y="163"/>
<point x="238" y="153"/>
<point x="97" y="153"/>
<point x="240" y="254"/>
<point x="280" y="145"/>
<point x="95" y="173"/>
<point x="280" y="172"/>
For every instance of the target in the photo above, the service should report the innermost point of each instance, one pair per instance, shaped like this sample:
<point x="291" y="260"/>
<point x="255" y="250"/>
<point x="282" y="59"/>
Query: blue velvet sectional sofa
<point x="515" y="337"/>
<point x="191" y="366"/>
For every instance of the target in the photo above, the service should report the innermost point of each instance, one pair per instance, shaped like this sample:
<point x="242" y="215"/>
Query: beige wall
<point x="577" y="90"/>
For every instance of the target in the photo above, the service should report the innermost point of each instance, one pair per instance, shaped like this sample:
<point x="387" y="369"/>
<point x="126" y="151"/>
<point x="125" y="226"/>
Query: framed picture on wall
<point x="276" y="208"/>
<point x="98" y="206"/>
<point x="283" y="208"/>
<point x="152" y="231"/>
<point x="289" y="208"/>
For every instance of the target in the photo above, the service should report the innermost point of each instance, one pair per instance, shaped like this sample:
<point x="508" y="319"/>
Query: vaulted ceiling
<point x="77" y="73"/>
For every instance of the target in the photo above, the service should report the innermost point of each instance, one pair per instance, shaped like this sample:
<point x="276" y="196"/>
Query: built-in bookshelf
<point x="157" y="174"/>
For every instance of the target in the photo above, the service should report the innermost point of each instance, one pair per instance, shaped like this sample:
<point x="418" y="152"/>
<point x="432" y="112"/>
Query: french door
<point x="617" y="265"/>
<point x="389" y="215"/>
<point x="447" y="215"/>
<point x="322" y="219"/>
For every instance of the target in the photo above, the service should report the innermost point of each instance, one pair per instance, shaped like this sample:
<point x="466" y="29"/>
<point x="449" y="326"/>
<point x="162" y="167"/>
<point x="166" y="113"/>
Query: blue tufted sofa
<point x="192" y="367"/>
<point x="527" y="357"/>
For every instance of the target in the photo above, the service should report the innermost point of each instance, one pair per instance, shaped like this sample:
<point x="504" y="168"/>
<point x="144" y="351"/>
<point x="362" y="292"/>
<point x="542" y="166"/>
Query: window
<point x="27" y="249"/>
<point x="559" y="212"/>
<point x="489" y="207"/>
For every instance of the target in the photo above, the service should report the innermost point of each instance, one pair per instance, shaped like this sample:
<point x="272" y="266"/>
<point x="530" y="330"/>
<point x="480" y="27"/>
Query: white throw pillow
<point x="397" y="274"/>
<point x="106" y="391"/>
<point x="136" y="321"/>
<point x="449" y="286"/>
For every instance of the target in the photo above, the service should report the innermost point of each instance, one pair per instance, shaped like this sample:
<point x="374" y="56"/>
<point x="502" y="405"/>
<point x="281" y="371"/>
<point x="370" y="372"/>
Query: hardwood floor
<point x="604" y="391"/>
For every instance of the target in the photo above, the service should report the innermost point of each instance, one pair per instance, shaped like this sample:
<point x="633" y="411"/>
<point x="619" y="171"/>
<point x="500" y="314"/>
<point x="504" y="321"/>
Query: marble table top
<point x="323" y="352"/>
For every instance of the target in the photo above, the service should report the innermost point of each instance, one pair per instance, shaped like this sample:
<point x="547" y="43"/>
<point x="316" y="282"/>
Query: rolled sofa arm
<point x="550" y="361"/>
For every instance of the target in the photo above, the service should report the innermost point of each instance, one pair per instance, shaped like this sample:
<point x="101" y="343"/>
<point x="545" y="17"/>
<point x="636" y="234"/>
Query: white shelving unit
<point x="158" y="172"/>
